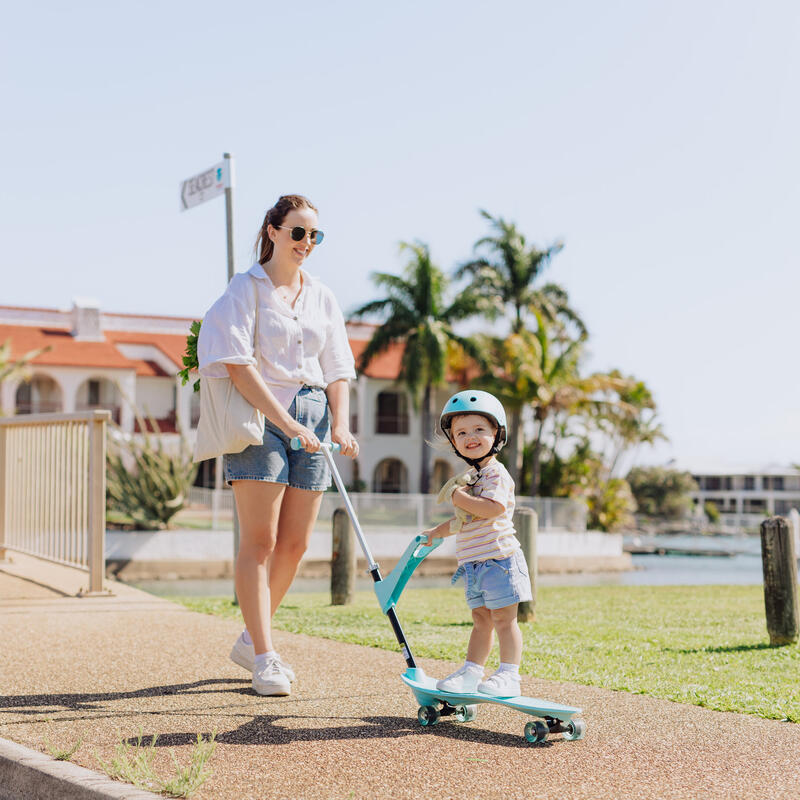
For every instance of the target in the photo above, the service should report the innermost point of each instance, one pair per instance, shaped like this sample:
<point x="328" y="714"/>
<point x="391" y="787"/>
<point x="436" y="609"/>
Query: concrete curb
<point x="27" y="774"/>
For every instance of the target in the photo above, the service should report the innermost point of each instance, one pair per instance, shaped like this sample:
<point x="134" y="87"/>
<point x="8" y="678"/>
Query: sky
<point x="657" y="140"/>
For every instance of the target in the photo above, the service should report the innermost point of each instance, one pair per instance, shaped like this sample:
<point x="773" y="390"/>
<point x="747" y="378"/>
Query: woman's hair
<point x="275" y="216"/>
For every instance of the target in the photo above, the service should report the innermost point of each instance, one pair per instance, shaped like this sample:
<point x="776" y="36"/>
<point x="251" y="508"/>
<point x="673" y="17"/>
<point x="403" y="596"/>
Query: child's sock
<point x="246" y="637"/>
<point x="512" y="668"/>
<point x="472" y="666"/>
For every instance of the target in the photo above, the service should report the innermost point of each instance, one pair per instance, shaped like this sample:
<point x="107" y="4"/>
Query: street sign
<point x="206" y="185"/>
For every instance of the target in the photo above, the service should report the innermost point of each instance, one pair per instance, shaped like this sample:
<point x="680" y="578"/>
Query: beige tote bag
<point x="228" y="423"/>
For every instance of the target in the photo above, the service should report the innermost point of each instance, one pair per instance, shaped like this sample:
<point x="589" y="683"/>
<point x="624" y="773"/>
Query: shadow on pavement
<point x="90" y="701"/>
<point x="266" y="730"/>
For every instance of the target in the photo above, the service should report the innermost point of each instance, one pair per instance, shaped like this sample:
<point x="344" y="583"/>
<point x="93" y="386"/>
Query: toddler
<point x="489" y="555"/>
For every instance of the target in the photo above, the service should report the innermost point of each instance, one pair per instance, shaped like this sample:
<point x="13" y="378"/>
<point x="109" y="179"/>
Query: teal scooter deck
<point x="435" y="703"/>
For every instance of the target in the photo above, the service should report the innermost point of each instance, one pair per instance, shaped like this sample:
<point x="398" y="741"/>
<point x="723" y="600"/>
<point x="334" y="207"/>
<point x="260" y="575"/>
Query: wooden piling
<point x="780" y="581"/>
<point x="343" y="559"/>
<point x="526" y="524"/>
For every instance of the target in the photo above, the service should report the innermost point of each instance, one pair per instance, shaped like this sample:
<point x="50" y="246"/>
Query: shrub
<point x="146" y="484"/>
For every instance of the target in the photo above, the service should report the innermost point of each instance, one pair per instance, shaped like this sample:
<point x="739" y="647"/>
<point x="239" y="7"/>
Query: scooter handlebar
<point x="296" y="444"/>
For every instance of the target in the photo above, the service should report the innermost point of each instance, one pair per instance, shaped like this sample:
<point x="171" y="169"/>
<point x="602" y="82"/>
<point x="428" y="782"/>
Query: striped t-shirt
<point x="481" y="539"/>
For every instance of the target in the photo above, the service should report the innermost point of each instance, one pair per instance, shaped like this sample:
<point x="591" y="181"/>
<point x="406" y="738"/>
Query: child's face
<point x="473" y="435"/>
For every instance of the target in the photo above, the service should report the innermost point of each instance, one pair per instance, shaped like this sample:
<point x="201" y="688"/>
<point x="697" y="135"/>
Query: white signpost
<point x="195" y="190"/>
<point x="206" y="185"/>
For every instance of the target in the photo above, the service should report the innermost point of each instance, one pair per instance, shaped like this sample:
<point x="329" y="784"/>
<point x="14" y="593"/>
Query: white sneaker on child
<point x="244" y="655"/>
<point x="270" y="680"/>
<point x="501" y="684"/>
<point x="462" y="681"/>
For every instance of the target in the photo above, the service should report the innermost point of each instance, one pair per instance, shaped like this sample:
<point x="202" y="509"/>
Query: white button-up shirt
<point x="304" y="344"/>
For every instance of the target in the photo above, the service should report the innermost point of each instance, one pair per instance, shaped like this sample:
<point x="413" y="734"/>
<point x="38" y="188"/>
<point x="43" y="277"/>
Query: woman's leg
<point x="481" y="638"/>
<point x="258" y="505"/>
<point x="298" y="513"/>
<point x="509" y="636"/>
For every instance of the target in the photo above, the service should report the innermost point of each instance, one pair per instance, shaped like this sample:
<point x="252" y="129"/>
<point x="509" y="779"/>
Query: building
<point x="95" y="359"/>
<point x="749" y="494"/>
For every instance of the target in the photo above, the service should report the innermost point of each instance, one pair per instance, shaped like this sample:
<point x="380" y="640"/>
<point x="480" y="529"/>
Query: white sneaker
<point x="462" y="681"/>
<point x="501" y="684"/>
<point x="244" y="655"/>
<point x="270" y="680"/>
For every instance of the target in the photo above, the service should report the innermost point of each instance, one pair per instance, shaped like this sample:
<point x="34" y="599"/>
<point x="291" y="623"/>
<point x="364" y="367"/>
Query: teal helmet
<point x="474" y="401"/>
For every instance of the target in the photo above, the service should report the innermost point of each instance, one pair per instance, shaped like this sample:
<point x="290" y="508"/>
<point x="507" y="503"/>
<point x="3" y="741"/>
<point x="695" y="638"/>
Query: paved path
<point x="103" y="669"/>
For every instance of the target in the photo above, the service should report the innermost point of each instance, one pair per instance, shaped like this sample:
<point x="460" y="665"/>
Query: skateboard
<point x="463" y="707"/>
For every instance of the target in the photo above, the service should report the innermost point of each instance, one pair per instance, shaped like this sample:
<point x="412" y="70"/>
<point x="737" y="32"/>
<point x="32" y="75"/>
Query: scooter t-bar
<point x="328" y="449"/>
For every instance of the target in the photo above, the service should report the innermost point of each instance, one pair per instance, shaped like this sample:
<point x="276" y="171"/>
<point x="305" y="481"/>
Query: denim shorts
<point x="275" y="462"/>
<point x="497" y="582"/>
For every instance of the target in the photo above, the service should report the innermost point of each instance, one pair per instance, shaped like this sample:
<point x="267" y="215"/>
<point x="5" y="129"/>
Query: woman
<point x="298" y="373"/>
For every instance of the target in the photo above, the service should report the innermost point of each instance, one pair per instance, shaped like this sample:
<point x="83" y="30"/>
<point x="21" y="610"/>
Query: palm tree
<point x="416" y="314"/>
<point x="504" y="279"/>
<point x="541" y="368"/>
<point x="631" y="423"/>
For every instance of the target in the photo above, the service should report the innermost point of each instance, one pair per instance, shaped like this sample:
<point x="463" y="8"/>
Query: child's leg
<point x="481" y="638"/>
<point x="509" y="636"/>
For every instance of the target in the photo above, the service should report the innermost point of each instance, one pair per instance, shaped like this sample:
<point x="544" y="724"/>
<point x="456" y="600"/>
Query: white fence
<point x="53" y="489"/>
<point x="402" y="511"/>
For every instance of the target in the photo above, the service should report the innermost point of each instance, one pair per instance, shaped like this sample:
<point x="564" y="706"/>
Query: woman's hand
<point x="308" y="438"/>
<point x="346" y="441"/>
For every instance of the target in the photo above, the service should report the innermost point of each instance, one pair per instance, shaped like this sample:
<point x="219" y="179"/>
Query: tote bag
<point x="228" y="423"/>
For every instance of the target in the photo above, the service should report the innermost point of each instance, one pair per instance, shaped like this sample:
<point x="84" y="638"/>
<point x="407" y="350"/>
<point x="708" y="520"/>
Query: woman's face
<point x="286" y="248"/>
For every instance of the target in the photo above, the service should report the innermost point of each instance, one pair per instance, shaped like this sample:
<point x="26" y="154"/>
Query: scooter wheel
<point x="576" y="729"/>
<point x="536" y="732"/>
<point x="466" y="713"/>
<point x="428" y="715"/>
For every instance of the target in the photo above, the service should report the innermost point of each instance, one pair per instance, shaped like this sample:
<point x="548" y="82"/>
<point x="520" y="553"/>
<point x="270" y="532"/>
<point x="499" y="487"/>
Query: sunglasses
<point x="299" y="233"/>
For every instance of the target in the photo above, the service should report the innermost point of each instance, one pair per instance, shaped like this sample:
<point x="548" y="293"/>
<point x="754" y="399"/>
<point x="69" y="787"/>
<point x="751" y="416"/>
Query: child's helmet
<point x="474" y="401"/>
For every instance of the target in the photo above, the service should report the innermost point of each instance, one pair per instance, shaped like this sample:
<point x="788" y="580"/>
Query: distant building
<point x="98" y="359"/>
<point x="755" y="493"/>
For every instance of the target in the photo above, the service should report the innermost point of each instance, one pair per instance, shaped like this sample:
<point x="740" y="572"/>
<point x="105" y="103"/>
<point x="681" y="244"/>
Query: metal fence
<point x="405" y="511"/>
<point x="53" y="489"/>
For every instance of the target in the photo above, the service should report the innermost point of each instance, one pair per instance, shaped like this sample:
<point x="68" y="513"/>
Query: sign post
<point x="198" y="189"/>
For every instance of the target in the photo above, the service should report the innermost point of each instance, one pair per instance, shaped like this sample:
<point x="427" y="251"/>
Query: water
<point x="649" y="570"/>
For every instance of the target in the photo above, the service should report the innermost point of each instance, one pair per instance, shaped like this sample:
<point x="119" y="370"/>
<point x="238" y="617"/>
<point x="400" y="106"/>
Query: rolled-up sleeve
<point x="226" y="335"/>
<point x="336" y="358"/>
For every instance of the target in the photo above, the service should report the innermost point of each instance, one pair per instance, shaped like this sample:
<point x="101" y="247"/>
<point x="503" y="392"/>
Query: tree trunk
<point x="426" y="463"/>
<point x="515" y="446"/>
<point x="536" y="452"/>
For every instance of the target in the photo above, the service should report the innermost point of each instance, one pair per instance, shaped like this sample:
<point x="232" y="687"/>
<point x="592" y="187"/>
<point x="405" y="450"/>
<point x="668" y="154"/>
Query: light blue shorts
<point x="497" y="582"/>
<point x="275" y="462"/>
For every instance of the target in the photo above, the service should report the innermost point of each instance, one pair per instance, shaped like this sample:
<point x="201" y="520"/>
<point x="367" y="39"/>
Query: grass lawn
<point x="704" y="645"/>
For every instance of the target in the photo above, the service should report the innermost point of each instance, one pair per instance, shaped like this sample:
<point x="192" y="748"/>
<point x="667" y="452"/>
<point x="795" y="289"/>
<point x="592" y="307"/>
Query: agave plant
<point x="147" y="484"/>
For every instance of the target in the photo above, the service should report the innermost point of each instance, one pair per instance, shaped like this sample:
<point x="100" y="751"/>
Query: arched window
<point x="391" y="476"/>
<point x="99" y="393"/>
<point x="392" y="416"/>
<point x="40" y="395"/>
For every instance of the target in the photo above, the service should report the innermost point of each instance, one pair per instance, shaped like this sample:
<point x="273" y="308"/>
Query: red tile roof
<point x="65" y="351"/>
<point x="385" y="365"/>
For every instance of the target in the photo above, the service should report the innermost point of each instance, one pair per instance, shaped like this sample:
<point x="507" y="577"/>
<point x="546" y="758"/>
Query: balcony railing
<point x="40" y="407"/>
